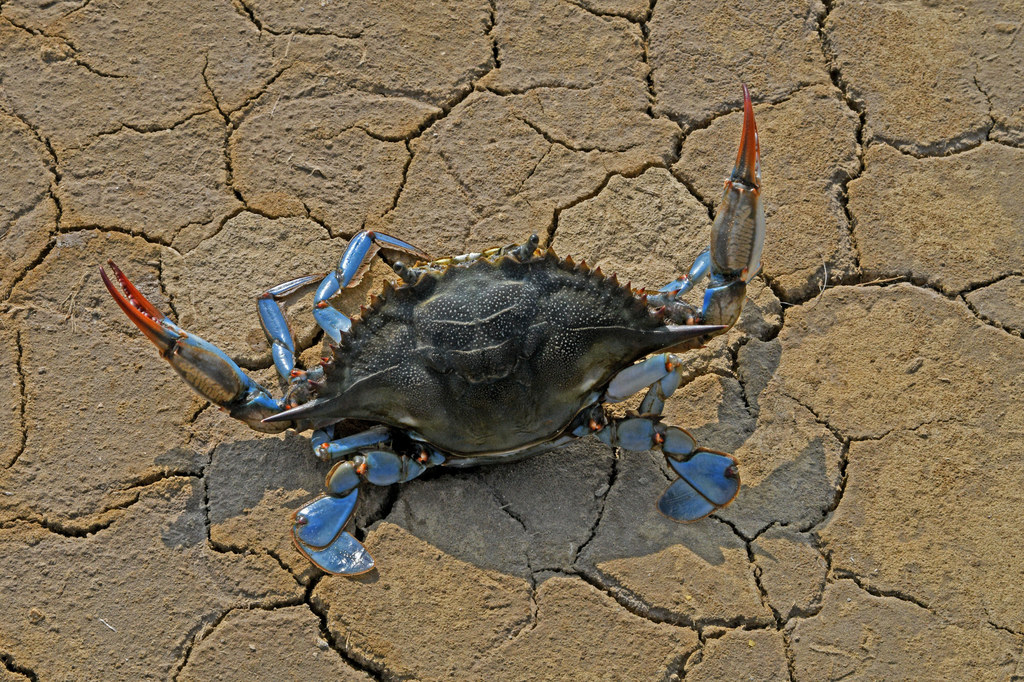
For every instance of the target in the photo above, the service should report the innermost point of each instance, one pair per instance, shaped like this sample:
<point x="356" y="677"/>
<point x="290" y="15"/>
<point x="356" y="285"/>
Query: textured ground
<point x="872" y="392"/>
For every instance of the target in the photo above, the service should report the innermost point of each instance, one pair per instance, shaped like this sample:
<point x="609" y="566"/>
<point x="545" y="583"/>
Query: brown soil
<point x="872" y="390"/>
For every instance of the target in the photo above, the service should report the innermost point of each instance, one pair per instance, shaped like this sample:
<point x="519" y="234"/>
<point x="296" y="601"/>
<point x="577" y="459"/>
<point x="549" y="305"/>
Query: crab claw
<point x="737" y="236"/>
<point x="203" y="366"/>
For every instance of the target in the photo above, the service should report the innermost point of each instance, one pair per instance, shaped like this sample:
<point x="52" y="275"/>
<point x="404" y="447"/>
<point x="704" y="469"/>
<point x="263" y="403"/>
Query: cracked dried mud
<point x="214" y="148"/>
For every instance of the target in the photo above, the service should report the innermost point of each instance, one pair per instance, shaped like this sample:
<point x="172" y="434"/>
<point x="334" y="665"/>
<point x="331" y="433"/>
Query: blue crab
<point x="480" y="358"/>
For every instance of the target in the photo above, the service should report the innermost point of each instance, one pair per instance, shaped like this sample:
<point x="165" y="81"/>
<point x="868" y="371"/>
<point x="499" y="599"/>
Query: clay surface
<point x="871" y="390"/>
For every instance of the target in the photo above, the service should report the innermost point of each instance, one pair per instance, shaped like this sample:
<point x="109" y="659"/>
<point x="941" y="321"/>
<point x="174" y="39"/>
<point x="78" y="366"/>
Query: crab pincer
<point x="737" y="235"/>
<point x="203" y="366"/>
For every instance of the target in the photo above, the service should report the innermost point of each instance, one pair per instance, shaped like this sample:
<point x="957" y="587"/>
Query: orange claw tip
<point x="138" y="309"/>
<point x="748" y="158"/>
<point x="134" y="295"/>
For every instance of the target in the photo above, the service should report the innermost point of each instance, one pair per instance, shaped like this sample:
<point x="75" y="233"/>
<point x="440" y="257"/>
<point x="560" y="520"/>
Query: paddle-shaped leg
<point x="708" y="480"/>
<point x="318" y="529"/>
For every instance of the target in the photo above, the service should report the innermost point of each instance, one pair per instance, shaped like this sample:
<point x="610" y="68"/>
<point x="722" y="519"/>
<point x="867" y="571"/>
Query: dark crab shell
<point x="489" y="356"/>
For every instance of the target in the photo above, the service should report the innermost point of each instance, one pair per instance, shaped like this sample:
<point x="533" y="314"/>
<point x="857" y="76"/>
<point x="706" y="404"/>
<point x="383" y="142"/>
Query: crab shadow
<point x="580" y="508"/>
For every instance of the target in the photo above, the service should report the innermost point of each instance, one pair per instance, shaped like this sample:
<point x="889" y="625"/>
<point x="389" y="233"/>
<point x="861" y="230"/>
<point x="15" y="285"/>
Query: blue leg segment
<point x="351" y="267"/>
<point x="649" y="372"/>
<point x="318" y="530"/>
<point x="318" y="534"/>
<point x="708" y="480"/>
<point x="353" y="263"/>
<point x="275" y="326"/>
<point x="660" y="374"/>
<point x="319" y="522"/>
<point x="698" y="271"/>
<point x="327" y="449"/>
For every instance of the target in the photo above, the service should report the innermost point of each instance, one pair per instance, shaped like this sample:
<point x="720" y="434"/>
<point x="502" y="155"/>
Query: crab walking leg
<point x="203" y="366"/>
<point x="351" y="267"/>
<point x="659" y="374"/>
<point x="318" y="529"/>
<point x="326" y="448"/>
<point x="708" y="480"/>
<point x="275" y="326"/>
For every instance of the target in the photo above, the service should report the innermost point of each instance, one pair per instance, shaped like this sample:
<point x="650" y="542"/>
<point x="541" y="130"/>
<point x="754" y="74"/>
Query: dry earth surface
<point x="872" y="391"/>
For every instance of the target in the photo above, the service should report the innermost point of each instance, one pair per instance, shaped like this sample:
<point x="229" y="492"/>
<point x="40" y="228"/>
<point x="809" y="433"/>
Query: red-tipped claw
<point x="153" y="323"/>
<point x="748" y="159"/>
<point x="737" y="236"/>
<point x="203" y="366"/>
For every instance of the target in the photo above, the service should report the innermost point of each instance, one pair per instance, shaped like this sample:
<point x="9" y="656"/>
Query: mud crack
<point x="634" y="173"/>
<point x="22" y="400"/>
<point x="553" y="139"/>
<point x="506" y="507"/>
<point x="90" y="523"/>
<point x="842" y="183"/>
<point x="205" y="627"/>
<point x="493" y="24"/>
<point x="74" y="55"/>
<point x="645" y="55"/>
<point x="958" y="297"/>
<point x="879" y="592"/>
<point x="320" y="610"/>
<point x="632" y="18"/>
<point x="980" y="315"/>
<point x="613" y="475"/>
<point x="54" y="169"/>
<point x="657" y="614"/>
<point x="11" y="665"/>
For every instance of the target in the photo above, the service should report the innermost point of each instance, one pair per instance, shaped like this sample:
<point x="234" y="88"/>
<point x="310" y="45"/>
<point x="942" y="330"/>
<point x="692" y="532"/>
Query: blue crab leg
<point x="330" y="449"/>
<point x="275" y="326"/>
<point x="353" y="262"/>
<point x="660" y="370"/>
<point x="350" y="268"/>
<point x="203" y="366"/>
<point x="708" y="480"/>
<point x="658" y="392"/>
<point x="698" y="271"/>
<point x="660" y="374"/>
<point x="318" y="527"/>
<point x="318" y="534"/>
